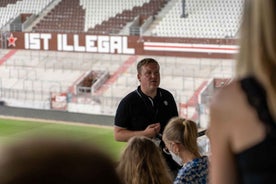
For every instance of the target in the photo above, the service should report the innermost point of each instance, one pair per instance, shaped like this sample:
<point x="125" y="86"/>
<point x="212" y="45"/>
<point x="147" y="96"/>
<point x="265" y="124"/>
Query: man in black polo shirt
<point x="147" y="110"/>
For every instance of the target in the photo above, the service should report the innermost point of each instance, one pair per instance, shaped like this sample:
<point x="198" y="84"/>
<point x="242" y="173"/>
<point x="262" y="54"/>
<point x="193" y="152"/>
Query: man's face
<point x="149" y="77"/>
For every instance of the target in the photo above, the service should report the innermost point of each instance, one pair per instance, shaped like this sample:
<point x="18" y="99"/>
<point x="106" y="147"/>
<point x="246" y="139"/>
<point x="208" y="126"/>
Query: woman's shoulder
<point x="227" y="96"/>
<point x="200" y="162"/>
<point x="227" y="107"/>
<point x="195" y="165"/>
<point x="187" y="173"/>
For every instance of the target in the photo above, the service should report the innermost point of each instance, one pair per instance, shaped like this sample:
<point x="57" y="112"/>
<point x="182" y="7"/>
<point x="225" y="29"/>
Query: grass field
<point x="18" y="129"/>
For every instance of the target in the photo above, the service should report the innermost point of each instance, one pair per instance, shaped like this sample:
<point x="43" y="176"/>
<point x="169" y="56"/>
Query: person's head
<point x="257" y="54"/>
<point x="142" y="162"/>
<point x="181" y="134"/>
<point x="62" y="161"/>
<point x="148" y="74"/>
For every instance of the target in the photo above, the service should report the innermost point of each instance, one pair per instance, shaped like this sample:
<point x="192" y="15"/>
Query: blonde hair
<point x="142" y="163"/>
<point x="183" y="131"/>
<point x="257" y="54"/>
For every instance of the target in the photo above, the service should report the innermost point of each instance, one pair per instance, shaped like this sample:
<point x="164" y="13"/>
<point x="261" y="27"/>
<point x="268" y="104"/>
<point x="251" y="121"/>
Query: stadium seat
<point x="202" y="15"/>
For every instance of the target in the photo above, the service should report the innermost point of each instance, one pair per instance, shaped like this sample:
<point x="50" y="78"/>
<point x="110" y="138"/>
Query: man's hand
<point x="152" y="130"/>
<point x="122" y="134"/>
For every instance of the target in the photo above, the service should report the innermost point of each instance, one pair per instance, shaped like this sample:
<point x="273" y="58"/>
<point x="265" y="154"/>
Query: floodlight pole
<point x="184" y="13"/>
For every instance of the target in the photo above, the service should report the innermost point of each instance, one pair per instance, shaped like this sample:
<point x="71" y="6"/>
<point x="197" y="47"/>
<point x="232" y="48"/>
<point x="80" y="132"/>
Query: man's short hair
<point x="145" y="61"/>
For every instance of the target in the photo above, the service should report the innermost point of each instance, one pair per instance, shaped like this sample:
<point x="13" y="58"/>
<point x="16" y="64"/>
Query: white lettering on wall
<point x="59" y="42"/>
<point x="46" y="38"/>
<point x="77" y="46"/>
<point x="26" y="41"/>
<point x="92" y="43"/>
<point x="103" y="44"/>
<point x="116" y="44"/>
<point x="127" y="50"/>
<point x="65" y="45"/>
<point x="33" y="41"/>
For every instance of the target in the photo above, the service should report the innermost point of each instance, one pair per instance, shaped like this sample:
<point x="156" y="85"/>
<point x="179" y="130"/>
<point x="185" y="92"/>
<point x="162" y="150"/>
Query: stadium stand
<point x="77" y="16"/>
<point x="66" y="17"/>
<point x="98" y="11"/>
<point x="115" y="24"/>
<point x="28" y="78"/>
<point x="206" y="19"/>
<point x="11" y="10"/>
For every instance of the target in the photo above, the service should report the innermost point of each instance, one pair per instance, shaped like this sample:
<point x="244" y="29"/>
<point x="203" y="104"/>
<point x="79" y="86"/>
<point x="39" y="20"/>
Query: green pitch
<point x="16" y="130"/>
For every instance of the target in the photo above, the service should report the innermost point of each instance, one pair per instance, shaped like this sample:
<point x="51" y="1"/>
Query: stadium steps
<point x="116" y="24"/>
<point x="43" y="14"/>
<point x="67" y="17"/>
<point x="160" y="16"/>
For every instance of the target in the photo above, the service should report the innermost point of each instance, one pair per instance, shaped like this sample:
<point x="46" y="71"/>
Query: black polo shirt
<point x="136" y="110"/>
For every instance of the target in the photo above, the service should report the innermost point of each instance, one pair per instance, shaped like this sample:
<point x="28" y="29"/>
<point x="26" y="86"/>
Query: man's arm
<point x="122" y="134"/>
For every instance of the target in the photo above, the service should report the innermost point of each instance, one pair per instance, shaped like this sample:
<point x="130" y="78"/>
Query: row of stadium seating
<point x="98" y="11"/>
<point x="67" y="16"/>
<point x="4" y="3"/>
<point x="117" y="23"/>
<point x="23" y="6"/>
<point x="212" y="19"/>
<point x="206" y="18"/>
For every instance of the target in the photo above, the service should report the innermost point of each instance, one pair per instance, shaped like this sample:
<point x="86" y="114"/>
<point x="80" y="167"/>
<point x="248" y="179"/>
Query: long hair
<point x="182" y="131"/>
<point x="142" y="163"/>
<point x="257" y="54"/>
